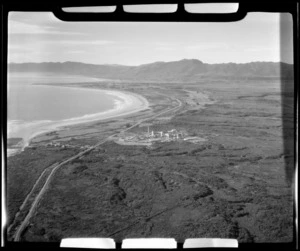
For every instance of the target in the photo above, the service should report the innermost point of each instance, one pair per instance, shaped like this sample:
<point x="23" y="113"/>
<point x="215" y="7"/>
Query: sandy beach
<point x="125" y="104"/>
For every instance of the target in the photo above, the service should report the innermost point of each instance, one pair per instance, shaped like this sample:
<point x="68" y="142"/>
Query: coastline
<point x="244" y="152"/>
<point x="131" y="103"/>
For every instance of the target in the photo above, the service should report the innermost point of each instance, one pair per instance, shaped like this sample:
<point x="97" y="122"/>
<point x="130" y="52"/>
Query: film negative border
<point x="179" y="16"/>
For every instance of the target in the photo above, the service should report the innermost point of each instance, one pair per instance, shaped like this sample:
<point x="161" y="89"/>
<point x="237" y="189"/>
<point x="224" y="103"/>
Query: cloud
<point x="206" y="46"/>
<point x="15" y="27"/>
<point x="40" y="18"/>
<point x="19" y="49"/>
<point x="86" y="42"/>
<point x="263" y="49"/>
<point x="190" y="47"/>
<point x="165" y="48"/>
<point x="76" y="51"/>
<point x="26" y="50"/>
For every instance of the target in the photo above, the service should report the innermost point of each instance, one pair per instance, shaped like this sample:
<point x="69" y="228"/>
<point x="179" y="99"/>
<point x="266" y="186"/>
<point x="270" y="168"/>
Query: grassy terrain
<point x="236" y="184"/>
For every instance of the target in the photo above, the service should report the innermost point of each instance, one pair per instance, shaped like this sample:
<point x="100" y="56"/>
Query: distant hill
<point x="184" y="70"/>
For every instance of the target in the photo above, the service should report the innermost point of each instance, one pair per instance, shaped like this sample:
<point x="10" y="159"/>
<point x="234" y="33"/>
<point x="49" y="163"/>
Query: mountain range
<point x="184" y="70"/>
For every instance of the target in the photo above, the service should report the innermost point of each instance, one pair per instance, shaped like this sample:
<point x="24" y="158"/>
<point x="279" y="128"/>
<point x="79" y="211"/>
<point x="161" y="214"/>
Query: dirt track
<point x="34" y="204"/>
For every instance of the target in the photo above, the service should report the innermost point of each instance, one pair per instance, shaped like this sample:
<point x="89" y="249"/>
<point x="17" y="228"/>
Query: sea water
<point x="31" y="106"/>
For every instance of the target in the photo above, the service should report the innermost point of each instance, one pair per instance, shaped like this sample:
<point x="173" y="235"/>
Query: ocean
<point x="32" y="109"/>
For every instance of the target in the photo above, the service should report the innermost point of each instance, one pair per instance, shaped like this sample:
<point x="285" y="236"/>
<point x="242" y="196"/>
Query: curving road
<point x="34" y="205"/>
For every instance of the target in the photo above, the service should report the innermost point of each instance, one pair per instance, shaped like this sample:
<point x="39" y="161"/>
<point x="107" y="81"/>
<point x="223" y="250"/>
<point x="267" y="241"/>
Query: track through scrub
<point x="24" y="224"/>
<point x="30" y="194"/>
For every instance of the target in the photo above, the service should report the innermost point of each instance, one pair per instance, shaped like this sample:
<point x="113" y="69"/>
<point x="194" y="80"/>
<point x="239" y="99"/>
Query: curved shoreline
<point x="131" y="103"/>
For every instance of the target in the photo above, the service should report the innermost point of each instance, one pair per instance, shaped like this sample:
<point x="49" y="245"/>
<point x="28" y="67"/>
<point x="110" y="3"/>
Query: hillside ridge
<point x="182" y="70"/>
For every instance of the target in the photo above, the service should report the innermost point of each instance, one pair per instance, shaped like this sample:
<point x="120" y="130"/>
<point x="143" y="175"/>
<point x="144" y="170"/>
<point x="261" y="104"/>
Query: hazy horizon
<point x="41" y="37"/>
<point x="41" y="62"/>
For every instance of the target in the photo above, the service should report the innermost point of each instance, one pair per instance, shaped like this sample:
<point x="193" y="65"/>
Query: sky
<point x="41" y="37"/>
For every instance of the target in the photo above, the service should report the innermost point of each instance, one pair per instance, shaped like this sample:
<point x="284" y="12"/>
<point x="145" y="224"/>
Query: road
<point x="34" y="205"/>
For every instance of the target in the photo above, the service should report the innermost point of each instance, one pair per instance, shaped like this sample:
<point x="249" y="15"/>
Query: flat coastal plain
<point x="234" y="183"/>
